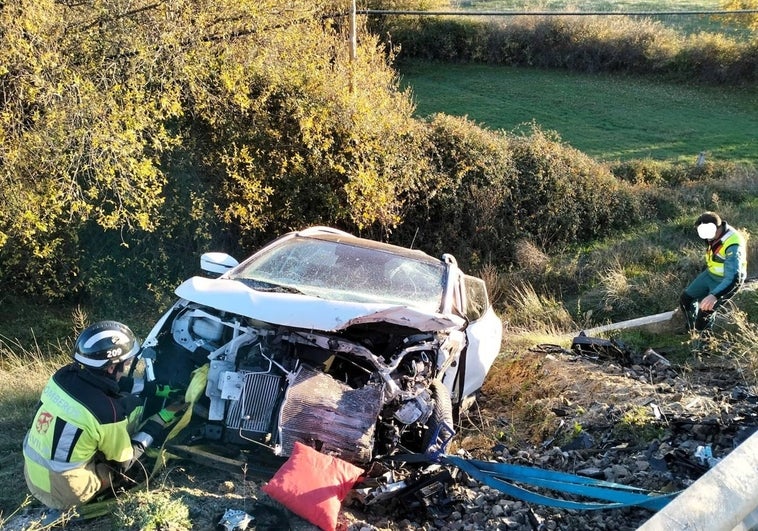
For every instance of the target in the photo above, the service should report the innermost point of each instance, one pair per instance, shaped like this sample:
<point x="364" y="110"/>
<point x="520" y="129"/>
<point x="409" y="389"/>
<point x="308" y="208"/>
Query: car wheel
<point x="440" y="424"/>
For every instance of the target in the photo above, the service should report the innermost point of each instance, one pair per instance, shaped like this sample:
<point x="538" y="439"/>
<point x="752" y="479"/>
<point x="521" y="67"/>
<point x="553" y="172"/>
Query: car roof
<point x="338" y="236"/>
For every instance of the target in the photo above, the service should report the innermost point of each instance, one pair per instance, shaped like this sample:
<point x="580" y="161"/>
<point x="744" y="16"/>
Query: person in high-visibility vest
<point x="724" y="273"/>
<point x="81" y="436"/>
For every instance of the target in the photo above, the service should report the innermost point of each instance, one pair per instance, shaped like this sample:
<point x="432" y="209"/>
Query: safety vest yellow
<point x="715" y="256"/>
<point x="68" y="430"/>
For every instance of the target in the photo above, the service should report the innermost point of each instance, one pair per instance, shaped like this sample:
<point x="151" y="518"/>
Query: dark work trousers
<point x="699" y="288"/>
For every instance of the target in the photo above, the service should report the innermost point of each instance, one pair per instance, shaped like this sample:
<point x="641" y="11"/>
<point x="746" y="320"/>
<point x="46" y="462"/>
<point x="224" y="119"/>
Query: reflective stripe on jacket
<point x="80" y="414"/>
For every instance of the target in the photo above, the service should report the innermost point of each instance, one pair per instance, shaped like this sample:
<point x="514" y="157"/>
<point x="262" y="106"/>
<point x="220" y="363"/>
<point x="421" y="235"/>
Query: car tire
<point x="441" y="419"/>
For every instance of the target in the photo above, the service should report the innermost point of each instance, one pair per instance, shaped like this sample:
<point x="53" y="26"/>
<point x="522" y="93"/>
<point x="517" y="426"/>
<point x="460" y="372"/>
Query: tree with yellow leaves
<point x="192" y="119"/>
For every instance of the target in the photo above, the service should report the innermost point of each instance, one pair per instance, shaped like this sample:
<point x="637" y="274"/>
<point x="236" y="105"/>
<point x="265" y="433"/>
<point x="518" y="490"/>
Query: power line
<point x="555" y="13"/>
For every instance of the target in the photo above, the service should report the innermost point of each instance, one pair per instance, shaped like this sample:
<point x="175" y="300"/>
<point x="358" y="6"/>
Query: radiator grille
<point x="253" y="411"/>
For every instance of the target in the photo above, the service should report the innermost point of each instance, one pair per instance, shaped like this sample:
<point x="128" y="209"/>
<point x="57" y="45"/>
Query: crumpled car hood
<point x="304" y="311"/>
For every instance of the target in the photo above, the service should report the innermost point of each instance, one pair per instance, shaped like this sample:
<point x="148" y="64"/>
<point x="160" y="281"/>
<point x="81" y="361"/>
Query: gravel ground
<point x="705" y="408"/>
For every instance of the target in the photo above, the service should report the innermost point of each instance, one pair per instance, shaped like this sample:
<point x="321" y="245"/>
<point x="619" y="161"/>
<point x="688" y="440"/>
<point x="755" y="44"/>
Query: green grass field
<point x="607" y="117"/>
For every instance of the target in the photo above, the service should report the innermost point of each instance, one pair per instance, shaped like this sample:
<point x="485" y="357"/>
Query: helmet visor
<point x="707" y="231"/>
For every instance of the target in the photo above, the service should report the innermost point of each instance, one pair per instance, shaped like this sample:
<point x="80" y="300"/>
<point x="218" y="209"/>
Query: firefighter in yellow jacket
<point x="80" y="435"/>
<point x="724" y="273"/>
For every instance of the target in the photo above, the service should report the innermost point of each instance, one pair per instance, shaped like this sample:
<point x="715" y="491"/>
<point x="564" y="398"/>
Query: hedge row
<point x="583" y="44"/>
<point x="494" y="190"/>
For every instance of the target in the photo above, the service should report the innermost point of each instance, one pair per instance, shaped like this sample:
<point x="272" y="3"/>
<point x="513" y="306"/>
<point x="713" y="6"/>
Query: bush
<point x="112" y="187"/>
<point x="217" y="127"/>
<point x="435" y="38"/>
<point x="564" y="197"/>
<point x="467" y="206"/>
<point x="718" y="59"/>
<point x="493" y="191"/>
<point x="658" y="172"/>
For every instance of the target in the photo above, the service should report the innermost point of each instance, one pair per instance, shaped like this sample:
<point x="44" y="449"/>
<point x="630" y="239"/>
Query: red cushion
<point x="313" y="485"/>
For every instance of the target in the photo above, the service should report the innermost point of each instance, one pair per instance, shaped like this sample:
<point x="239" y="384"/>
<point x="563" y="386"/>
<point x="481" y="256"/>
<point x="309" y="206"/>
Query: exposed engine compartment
<point x="359" y="393"/>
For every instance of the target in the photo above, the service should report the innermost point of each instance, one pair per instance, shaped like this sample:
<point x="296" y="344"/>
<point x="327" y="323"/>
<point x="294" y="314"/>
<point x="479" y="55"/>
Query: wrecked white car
<point x="357" y="348"/>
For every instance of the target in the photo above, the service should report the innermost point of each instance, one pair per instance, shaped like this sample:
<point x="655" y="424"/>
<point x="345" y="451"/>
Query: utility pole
<point x="353" y="36"/>
<point x="353" y="45"/>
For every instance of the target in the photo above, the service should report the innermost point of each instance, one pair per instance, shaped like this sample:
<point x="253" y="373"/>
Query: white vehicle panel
<point x="303" y="311"/>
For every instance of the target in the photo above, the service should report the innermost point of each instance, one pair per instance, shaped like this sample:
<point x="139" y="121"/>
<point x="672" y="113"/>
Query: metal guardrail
<point x="723" y="499"/>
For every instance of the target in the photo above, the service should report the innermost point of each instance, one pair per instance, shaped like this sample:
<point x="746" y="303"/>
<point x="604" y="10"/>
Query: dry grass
<point x="152" y="510"/>
<point x="628" y="289"/>
<point x="539" y="313"/>
<point x="616" y="286"/>
<point x="522" y="392"/>
<point x="24" y="371"/>
<point x="739" y="339"/>
<point x="495" y="281"/>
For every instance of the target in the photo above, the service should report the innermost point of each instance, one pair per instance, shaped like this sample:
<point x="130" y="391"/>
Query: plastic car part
<point x="235" y="519"/>
<point x="217" y="263"/>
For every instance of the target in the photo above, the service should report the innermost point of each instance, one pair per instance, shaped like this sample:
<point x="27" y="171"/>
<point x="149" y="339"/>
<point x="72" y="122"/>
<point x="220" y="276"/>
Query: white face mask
<point x="707" y="231"/>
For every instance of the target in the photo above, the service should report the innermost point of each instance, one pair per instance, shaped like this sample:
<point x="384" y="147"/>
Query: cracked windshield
<point x="342" y="272"/>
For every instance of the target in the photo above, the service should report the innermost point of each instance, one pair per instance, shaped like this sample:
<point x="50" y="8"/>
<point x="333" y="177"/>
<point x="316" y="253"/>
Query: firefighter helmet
<point x="105" y="343"/>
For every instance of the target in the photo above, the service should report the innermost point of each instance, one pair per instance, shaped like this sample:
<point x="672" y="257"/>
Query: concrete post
<point x="721" y="500"/>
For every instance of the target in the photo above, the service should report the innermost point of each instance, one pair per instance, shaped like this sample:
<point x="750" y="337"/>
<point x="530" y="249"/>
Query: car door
<point x="484" y="332"/>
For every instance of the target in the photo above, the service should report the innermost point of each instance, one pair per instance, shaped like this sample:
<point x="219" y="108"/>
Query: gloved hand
<point x="166" y="391"/>
<point x="163" y="390"/>
<point x="156" y="428"/>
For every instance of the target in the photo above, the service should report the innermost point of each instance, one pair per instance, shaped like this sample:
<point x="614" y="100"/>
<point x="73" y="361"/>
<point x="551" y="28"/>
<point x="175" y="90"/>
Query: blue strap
<point x="437" y="450"/>
<point x="499" y="475"/>
<point x="517" y="472"/>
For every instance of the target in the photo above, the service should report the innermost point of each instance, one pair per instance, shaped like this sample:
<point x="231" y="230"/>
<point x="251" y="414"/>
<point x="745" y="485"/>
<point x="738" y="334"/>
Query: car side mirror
<point x="217" y="263"/>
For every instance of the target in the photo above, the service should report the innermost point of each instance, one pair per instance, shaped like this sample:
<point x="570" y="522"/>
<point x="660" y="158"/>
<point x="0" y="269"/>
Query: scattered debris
<point x="691" y="421"/>
<point x="704" y="455"/>
<point x="234" y="520"/>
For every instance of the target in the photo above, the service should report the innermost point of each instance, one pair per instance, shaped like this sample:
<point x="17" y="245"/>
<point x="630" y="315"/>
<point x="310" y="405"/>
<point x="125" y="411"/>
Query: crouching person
<point x="80" y="434"/>
<point x="723" y="276"/>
